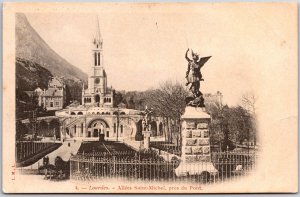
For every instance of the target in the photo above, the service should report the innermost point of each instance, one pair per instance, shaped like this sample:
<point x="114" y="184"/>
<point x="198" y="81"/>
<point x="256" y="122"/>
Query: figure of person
<point x="195" y="64"/>
<point x="144" y="125"/>
<point x="147" y="119"/>
<point x="46" y="163"/>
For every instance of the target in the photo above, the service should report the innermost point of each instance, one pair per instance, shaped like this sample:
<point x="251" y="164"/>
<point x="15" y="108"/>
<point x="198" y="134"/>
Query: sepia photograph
<point x="150" y="98"/>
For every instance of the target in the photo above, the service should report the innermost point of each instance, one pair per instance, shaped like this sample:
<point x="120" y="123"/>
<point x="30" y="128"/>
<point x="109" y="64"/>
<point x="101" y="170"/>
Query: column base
<point x="187" y="169"/>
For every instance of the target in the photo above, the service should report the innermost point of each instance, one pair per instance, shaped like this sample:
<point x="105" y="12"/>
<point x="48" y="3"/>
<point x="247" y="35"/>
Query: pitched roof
<point x="53" y="92"/>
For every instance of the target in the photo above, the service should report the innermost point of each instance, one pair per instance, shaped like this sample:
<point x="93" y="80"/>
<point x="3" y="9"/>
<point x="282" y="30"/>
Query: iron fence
<point x="166" y="146"/>
<point x="152" y="167"/>
<point x="27" y="149"/>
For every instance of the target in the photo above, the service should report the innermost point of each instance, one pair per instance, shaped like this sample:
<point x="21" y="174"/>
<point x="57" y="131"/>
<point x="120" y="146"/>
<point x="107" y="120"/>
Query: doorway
<point x="97" y="98"/>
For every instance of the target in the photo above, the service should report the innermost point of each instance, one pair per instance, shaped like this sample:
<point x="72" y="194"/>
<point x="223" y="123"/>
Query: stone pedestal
<point x="147" y="135"/>
<point x="196" y="153"/>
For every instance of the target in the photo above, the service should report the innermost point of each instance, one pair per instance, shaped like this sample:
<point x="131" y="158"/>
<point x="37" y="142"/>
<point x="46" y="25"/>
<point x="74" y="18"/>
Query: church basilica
<point x="96" y="116"/>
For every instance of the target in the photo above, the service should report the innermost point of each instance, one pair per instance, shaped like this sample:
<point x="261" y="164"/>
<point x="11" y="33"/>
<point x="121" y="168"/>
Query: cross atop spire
<point x="98" y="38"/>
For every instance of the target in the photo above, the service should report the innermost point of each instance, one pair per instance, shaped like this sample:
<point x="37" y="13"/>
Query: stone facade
<point x="195" y="142"/>
<point x="96" y="115"/>
<point x="97" y="93"/>
<point x="54" y="98"/>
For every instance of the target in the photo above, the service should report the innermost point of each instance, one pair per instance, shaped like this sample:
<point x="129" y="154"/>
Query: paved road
<point x="64" y="151"/>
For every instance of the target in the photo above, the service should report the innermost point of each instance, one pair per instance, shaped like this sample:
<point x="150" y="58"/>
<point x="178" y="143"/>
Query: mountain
<point x="30" y="46"/>
<point x="30" y="75"/>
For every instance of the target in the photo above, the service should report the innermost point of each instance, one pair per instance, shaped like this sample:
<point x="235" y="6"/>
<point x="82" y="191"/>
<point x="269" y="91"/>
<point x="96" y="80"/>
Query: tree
<point x="21" y="130"/>
<point x="168" y="101"/>
<point x="229" y="124"/>
<point x="249" y="101"/>
<point x="118" y="98"/>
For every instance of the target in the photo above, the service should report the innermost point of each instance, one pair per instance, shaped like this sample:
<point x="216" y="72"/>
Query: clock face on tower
<point x="97" y="80"/>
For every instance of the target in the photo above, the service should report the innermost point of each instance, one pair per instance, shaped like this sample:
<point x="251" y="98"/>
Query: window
<point x="114" y="127"/>
<point x="95" y="59"/>
<point x="121" y="129"/>
<point x="99" y="59"/>
<point x="51" y="104"/>
<point x="57" y="104"/>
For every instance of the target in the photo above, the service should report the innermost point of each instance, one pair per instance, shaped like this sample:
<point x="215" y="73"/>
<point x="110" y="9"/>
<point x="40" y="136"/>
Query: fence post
<point x="114" y="165"/>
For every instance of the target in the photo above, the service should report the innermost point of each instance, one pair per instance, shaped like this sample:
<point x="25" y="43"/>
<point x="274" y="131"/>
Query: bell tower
<point x="97" y="94"/>
<point x="97" y="47"/>
<point x="98" y="80"/>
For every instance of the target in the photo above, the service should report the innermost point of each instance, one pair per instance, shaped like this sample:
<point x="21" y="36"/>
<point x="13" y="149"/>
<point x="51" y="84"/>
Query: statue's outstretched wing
<point x="203" y="60"/>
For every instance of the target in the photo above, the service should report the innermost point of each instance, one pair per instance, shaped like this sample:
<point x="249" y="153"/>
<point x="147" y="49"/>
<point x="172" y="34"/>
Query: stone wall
<point x="195" y="142"/>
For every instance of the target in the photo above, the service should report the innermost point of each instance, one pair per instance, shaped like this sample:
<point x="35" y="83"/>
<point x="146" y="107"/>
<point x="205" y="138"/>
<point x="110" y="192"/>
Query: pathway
<point x="64" y="151"/>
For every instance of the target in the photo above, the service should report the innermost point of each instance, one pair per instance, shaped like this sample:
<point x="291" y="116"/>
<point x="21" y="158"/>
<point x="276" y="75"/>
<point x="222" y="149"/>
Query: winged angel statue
<point x="193" y="77"/>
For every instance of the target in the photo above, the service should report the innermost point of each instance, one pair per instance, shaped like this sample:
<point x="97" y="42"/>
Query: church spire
<point x="98" y="38"/>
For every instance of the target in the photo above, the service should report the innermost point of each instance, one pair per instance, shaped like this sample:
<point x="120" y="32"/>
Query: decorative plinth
<point x="196" y="153"/>
<point x="147" y="135"/>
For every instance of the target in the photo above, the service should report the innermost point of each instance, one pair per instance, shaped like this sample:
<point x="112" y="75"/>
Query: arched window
<point x="107" y="113"/>
<point x="98" y="112"/>
<point x="122" y="113"/>
<point x="121" y="129"/>
<point x="80" y="113"/>
<point x="114" y="127"/>
<point x="99" y="59"/>
<point x="102" y="113"/>
<point x="73" y="113"/>
<point x="95" y="59"/>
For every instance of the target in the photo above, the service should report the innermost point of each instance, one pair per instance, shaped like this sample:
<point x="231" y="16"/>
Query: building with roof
<point x="215" y="99"/>
<point x="96" y="115"/>
<point x="54" y="98"/>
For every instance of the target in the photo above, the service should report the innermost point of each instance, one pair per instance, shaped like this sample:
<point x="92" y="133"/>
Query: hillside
<point x="30" y="46"/>
<point x="30" y="75"/>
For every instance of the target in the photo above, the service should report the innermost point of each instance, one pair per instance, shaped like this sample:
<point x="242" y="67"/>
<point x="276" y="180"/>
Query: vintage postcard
<point x="150" y="98"/>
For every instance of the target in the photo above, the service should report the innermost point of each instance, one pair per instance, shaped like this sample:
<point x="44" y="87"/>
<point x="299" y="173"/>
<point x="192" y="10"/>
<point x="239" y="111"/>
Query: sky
<point x="144" y="46"/>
